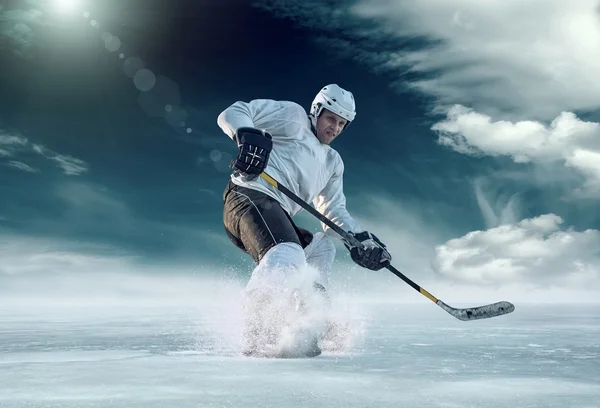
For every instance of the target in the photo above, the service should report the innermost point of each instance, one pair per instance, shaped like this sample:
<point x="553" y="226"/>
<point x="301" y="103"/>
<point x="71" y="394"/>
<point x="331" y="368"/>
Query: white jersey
<point x="299" y="161"/>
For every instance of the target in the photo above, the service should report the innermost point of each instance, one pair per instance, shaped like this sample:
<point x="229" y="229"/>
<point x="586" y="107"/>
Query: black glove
<point x="371" y="254"/>
<point x="255" y="147"/>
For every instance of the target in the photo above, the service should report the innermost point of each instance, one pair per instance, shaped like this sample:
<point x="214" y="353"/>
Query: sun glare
<point x="66" y="6"/>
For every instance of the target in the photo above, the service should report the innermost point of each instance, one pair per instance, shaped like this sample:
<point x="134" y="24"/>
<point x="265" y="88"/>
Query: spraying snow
<point x="300" y="320"/>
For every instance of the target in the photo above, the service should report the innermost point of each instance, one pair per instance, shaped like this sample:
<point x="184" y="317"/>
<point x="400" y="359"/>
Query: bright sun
<point x="66" y="6"/>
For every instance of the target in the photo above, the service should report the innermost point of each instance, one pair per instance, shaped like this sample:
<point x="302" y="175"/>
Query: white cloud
<point x="70" y="165"/>
<point x="100" y="214"/>
<point x="9" y="140"/>
<point x="523" y="63"/>
<point x="39" y="269"/>
<point x="531" y="260"/>
<point x="18" y="26"/>
<point x="39" y="149"/>
<point x="21" y="254"/>
<point x="22" y="166"/>
<point x="567" y="140"/>
<point x="535" y="251"/>
<point x="496" y="210"/>
<point x="537" y="57"/>
<point x="15" y="145"/>
<point x="532" y="59"/>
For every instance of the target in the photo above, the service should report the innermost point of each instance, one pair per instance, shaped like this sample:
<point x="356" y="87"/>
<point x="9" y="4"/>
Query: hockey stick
<point x="472" y="313"/>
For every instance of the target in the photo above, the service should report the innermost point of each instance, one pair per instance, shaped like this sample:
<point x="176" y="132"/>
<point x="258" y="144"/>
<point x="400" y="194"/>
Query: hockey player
<point x="280" y="138"/>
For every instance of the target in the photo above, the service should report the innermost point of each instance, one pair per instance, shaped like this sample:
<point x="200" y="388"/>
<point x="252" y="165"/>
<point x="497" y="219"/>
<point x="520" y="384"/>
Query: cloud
<point x="13" y="141"/>
<point x="495" y="210"/>
<point x="22" y="166"/>
<point x="532" y="59"/>
<point x="52" y="254"/>
<point x="38" y="271"/>
<point x="15" y="145"/>
<point x="515" y="259"/>
<point x="70" y="165"/>
<point x="409" y="229"/>
<point x="530" y="72"/>
<point x="25" y="254"/>
<point x="17" y="28"/>
<point x="12" y="145"/>
<point x="91" y="207"/>
<point x="567" y="140"/>
<point x="534" y="251"/>
<point x="76" y="209"/>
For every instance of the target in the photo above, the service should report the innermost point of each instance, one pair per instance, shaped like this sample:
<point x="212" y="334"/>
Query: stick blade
<point x="480" y="312"/>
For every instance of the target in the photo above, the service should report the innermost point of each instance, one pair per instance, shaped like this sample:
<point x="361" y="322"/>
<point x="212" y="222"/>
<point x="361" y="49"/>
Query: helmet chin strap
<point x="313" y="115"/>
<point x="313" y="124"/>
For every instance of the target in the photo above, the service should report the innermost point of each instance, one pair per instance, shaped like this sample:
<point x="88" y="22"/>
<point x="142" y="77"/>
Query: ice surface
<point x="396" y="355"/>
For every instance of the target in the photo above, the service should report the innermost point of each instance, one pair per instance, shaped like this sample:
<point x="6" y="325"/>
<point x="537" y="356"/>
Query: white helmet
<point x="335" y="99"/>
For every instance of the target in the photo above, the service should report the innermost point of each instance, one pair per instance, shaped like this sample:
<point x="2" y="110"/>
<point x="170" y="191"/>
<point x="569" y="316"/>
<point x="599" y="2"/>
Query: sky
<point x="474" y="155"/>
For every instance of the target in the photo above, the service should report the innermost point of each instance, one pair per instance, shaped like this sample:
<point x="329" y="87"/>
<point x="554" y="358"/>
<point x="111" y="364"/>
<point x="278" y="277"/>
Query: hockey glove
<point x="372" y="254"/>
<point x="255" y="147"/>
